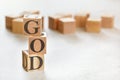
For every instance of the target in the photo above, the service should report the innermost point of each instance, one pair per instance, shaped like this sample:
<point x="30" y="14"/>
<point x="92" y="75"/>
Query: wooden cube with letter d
<point x="32" y="62"/>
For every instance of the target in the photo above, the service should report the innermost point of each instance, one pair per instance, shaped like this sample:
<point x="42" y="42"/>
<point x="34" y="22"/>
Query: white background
<point x="79" y="56"/>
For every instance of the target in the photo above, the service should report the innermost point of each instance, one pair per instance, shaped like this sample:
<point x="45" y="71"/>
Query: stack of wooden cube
<point x="33" y="59"/>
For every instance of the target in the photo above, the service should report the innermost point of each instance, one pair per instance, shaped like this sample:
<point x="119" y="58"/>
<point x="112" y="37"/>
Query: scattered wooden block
<point x="32" y="25"/>
<point x="81" y="19"/>
<point x="32" y="62"/>
<point x="93" y="25"/>
<point x="8" y="20"/>
<point x="67" y="25"/>
<point x="37" y="44"/>
<point x="107" y="21"/>
<point x="53" y="22"/>
<point x="17" y="26"/>
<point x="54" y="19"/>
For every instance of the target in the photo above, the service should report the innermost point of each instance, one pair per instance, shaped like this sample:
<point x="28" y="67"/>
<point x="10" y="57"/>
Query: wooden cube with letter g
<point x="37" y="44"/>
<point x="32" y="25"/>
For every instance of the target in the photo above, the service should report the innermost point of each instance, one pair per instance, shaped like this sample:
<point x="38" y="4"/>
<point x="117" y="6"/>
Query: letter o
<point x="32" y="45"/>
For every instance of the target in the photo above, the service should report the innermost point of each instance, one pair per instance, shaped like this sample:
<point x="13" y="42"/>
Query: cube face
<point x="37" y="44"/>
<point x="67" y="26"/>
<point x="93" y="25"/>
<point x="53" y="23"/>
<point x="64" y="15"/>
<point x="42" y="23"/>
<point x="8" y="20"/>
<point x="25" y="60"/>
<point x="107" y="21"/>
<point x="32" y="25"/>
<point x="32" y="62"/>
<point x="81" y="20"/>
<point x="77" y="21"/>
<point x="18" y="26"/>
<point x="61" y="27"/>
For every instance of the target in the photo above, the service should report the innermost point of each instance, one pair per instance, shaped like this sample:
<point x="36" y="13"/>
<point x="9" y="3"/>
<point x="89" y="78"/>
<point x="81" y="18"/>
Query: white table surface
<point x="79" y="56"/>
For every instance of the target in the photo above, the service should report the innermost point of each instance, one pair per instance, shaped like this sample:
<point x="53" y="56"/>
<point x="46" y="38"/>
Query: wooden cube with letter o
<point x="37" y="44"/>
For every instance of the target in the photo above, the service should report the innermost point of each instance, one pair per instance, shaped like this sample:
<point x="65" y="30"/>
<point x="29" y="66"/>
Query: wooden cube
<point x="67" y="25"/>
<point x="32" y="62"/>
<point x="107" y="21"/>
<point x="32" y="25"/>
<point x="81" y="19"/>
<point x="18" y="26"/>
<point x="37" y="44"/>
<point x="93" y="25"/>
<point x="53" y="22"/>
<point x="54" y="19"/>
<point x="8" y="20"/>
